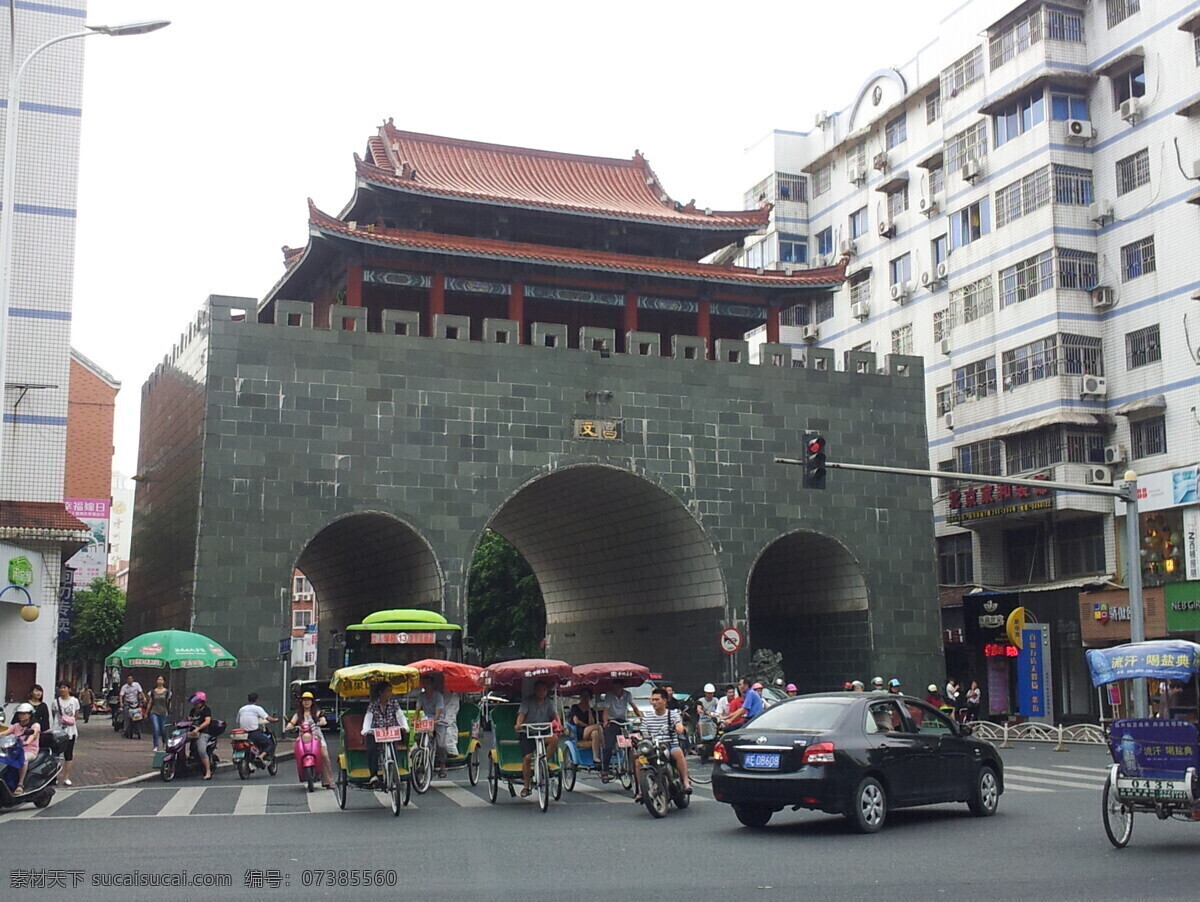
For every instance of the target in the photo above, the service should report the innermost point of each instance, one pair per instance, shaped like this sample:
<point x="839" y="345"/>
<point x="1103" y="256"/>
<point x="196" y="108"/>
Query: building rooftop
<point x="40" y="520"/>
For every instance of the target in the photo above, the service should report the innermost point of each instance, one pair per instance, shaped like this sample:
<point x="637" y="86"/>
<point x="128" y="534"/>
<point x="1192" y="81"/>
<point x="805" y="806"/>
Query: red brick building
<point x="91" y="406"/>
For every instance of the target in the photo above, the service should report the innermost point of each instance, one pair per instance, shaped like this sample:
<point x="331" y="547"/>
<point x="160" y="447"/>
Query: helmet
<point x="847" y="685"/>
<point x="791" y="687"/>
<point x="199" y="697"/>
<point x="709" y="687"/>
<point x="757" y="686"/>
<point x="307" y="695"/>
<point x="932" y="687"/>
<point x="877" y="681"/>
<point x="857" y="684"/>
<point x="894" y="683"/>
<point x="24" y="708"/>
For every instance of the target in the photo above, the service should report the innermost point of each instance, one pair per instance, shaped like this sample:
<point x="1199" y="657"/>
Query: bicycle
<point x="422" y="755"/>
<point x="399" y="791"/>
<point x="627" y="737"/>
<point x="539" y="733"/>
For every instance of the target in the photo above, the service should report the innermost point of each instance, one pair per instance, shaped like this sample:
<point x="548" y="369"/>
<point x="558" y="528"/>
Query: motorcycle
<point x="248" y="757"/>
<point x="660" y="783"/>
<point x="180" y="759"/>
<point x="112" y="701"/>
<point x="308" y="755"/>
<point x="708" y="733"/>
<point x="40" y="777"/>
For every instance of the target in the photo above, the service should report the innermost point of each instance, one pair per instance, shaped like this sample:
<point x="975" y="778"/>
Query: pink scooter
<point x="308" y="755"/>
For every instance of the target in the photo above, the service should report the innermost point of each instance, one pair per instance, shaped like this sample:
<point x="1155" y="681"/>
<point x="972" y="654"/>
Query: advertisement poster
<point x="1170" y="488"/>
<point x="1154" y="748"/>
<point x="1033" y="667"/>
<point x="92" y="561"/>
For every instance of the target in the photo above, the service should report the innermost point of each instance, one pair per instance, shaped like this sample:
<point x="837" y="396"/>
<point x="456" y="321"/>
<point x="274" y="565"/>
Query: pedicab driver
<point x="537" y="708"/>
<point x="663" y="725"/>
<point x="613" y="711"/>
<point x="383" y="712"/>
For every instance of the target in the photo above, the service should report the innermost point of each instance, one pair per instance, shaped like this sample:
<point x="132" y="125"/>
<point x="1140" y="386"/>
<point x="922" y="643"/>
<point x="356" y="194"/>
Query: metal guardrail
<point x="1080" y="734"/>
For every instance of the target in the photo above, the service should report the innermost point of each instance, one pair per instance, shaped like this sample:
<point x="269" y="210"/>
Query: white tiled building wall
<point x="1161" y="36"/>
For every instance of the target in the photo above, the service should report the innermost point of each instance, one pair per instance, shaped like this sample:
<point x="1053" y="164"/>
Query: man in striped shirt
<point x="665" y="725"/>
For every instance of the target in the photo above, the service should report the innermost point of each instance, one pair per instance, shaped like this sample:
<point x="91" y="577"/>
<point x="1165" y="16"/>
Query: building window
<point x="301" y="619"/>
<point x="825" y="242"/>
<point x="1057" y="355"/>
<point x="1016" y="38"/>
<point x="790" y="187"/>
<point x="1062" y="25"/>
<point x="793" y="249"/>
<point x="902" y="339"/>
<point x="1148" y="436"/>
<point x="963" y="73"/>
<point x="944" y="399"/>
<point x="1133" y="171"/>
<point x="1076" y="269"/>
<point x="1137" y="259"/>
<point x="970" y="142"/>
<point x="1142" y="347"/>
<point x="956" y="565"/>
<point x="980" y="458"/>
<point x="1081" y="547"/>
<point x="1072" y="185"/>
<point x="970" y="302"/>
<point x="975" y="381"/>
<point x="1085" y="447"/>
<point x="821" y="180"/>
<point x="1023" y="196"/>
<point x="823" y="309"/>
<point x="897" y="201"/>
<point x="941" y="324"/>
<point x="1120" y="10"/>
<point x="939" y="248"/>
<point x="968" y="224"/>
<point x="1129" y="84"/>
<point x="1026" y="279"/>
<point x="1196" y="46"/>
<point x="1033" y="450"/>
<point x="896" y="131"/>
<point x="1067" y="106"/>
<point x="858" y="156"/>
<point x="937" y="180"/>
<point x="858" y="223"/>
<point x="1024" y="555"/>
<point x="900" y="269"/>
<point x="860" y="291"/>
<point x="1019" y="117"/>
<point x="933" y="107"/>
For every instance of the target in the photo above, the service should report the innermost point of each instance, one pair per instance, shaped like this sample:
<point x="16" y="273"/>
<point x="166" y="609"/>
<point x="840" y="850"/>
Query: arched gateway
<point x="515" y="339"/>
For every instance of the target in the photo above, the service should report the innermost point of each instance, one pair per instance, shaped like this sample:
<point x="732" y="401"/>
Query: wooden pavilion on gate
<point x="441" y="229"/>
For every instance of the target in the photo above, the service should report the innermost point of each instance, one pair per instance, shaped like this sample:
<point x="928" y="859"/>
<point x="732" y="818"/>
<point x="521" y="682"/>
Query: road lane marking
<point x="108" y="805"/>
<point x="460" y="796"/>
<point x="606" y="795"/>
<point x="1094" y="771"/>
<point x="1049" y="781"/>
<point x="1010" y="786"/>
<point x="182" y="802"/>
<point x="251" y="800"/>
<point x="323" y="802"/>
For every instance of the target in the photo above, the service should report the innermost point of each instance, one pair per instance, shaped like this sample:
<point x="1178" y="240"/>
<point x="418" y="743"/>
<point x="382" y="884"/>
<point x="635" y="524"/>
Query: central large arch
<point x="807" y="600"/>
<point x="626" y="571"/>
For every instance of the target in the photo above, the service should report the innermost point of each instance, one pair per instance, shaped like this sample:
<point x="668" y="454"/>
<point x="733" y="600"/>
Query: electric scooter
<point x="180" y="759"/>
<point x="40" y="777"/>
<point x="248" y="757"/>
<point x="308" y="755"/>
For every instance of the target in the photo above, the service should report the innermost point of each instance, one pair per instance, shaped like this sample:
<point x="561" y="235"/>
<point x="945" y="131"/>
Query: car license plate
<point x="761" y="761"/>
<point x="1156" y="790"/>
<point x="238" y="756"/>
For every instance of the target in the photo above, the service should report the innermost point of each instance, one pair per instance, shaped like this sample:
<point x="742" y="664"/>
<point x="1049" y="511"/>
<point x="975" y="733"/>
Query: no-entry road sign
<point x="731" y="639"/>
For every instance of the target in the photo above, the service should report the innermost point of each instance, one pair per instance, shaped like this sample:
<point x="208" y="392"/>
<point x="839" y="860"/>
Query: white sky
<point x="201" y="142"/>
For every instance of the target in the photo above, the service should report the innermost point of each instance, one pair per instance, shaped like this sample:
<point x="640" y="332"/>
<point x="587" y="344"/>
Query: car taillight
<point x="720" y="753"/>
<point x="818" y="753"/>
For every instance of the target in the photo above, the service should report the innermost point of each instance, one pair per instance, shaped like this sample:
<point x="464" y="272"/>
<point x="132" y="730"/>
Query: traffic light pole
<point x="1127" y="492"/>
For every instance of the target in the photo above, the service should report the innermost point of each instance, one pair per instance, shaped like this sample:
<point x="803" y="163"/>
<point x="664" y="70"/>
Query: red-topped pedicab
<point x="598" y="678"/>
<point x="459" y="679"/>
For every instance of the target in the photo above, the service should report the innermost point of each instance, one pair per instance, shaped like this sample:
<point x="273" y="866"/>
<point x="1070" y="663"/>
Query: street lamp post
<point x="7" y="214"/>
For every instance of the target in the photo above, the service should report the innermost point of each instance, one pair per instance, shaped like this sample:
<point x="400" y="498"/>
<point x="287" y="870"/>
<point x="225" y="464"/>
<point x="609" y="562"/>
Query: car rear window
<point x="809" y="715"/>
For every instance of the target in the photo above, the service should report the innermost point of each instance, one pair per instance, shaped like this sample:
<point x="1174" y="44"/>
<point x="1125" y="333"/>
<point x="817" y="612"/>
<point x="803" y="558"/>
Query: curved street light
<point x="7" y="228"/>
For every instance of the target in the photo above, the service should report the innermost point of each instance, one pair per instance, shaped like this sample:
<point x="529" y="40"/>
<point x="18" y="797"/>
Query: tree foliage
<point x="97" y="622"/>
<point x="505" y="607"/>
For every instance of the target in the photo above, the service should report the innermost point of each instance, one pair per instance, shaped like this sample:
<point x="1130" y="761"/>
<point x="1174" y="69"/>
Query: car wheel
<point x="754" y="816"/>
<point x="868" y="806"/>
<point x="986" y="794"/>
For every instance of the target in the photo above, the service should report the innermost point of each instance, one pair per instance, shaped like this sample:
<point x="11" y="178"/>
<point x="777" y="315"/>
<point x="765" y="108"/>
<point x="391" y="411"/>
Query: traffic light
<point x="814" y="460"/>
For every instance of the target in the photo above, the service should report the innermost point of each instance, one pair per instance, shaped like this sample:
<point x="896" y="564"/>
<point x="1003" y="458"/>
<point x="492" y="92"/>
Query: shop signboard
<point x="980" y="502"/>
<point x="91" y="561"/>
<point x="1191" y="542"/>
<point x="1183" y="607"/>
<point x="1033" y="667"/>
<point x="1170" y="488"/>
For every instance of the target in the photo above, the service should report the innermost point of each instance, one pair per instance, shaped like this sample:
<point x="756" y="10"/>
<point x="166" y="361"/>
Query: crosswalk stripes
<point x="1055" y="778"/>
<point x="108" y="805"/>
<point x="182" y="802"/>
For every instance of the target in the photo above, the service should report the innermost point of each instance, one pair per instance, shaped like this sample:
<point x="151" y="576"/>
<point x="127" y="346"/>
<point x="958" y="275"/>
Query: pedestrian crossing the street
<point x="1056" y="778"/>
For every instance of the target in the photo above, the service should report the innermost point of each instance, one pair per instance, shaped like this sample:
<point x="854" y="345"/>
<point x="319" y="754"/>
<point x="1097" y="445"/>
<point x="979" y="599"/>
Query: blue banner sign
<point x="1031" y="672"/>
<point x="1152" y="747"/>
<point x="1162" y="659"/>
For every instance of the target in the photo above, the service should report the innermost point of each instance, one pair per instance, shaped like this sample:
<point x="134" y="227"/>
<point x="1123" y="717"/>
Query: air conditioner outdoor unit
<point x="810" y="334"/>
<point x="886" y="228"/>
<point x="860" y="311"/>
<point x="946" y="348"/>
<point x="1093" y="385"/>
<point x="971" y="170"/>
<point x="1103" y="297"/>
<point x="1100" y="212"/>
<point x="943" y="271"/>
<point x="1131" y="110"/>
<point x="1080" y="130"/>
<point x="847" y="248"/>
<point x="880" y="162"/>
<point x="900" y="292"/>
<point x="948" y="421"/>
<point x="1114" y="454"/>
<point x="928" y="205"/>
<point x="928" y="280"/>
<point x="855" y="174"/>
<point x="822" y="120"/>
<point x="1098" y="475"/>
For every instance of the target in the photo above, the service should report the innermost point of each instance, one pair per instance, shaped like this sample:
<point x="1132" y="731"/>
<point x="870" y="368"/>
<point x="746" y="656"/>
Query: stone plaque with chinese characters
<point x="596" y="430"/>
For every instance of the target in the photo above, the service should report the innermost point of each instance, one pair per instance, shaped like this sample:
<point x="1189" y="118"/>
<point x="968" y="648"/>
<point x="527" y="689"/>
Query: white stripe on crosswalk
<point x="27" y="812"/>
<point x="182" y="802"/>
<point x="107" y="805"/>
<point x="1050" y="781"/>
<point x="1095" y="771"/>
<point x="464" y="798"/>
<point x="252" y="800"/>
<point x="606" y="795"/>
<point x="1015" y="787"/>
<point x="322" y="802"/>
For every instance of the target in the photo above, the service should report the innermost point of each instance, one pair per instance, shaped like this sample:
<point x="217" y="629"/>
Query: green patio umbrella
<point x="173" y="649"/>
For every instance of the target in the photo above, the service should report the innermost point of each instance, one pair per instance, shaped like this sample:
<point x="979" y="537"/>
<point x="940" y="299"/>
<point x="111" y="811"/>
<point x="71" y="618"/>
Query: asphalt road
<point x="1046" y="842"/>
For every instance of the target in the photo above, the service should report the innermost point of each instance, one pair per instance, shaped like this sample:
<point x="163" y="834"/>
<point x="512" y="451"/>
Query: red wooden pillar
<point x="773" y="323"/>
<point x="704" y="326"/>
<point x="516" y="308"/>
<point x="354" y="284"/>
<point x="437" y="300"/>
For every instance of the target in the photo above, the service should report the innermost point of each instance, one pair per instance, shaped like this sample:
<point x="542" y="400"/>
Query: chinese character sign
<point x="597" y="430"/>
<point x="92" y="560"/>
<point x="1033" y="671"/>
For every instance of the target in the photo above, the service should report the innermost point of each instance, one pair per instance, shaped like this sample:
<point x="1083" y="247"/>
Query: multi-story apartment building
<point x="304" y="628"/>
<point x="1019" y="205"/>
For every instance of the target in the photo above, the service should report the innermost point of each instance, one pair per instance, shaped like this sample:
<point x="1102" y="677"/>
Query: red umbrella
<point x="514" y="674"/>
<point x="599" y="677"/>
<point x="456" y="677"/>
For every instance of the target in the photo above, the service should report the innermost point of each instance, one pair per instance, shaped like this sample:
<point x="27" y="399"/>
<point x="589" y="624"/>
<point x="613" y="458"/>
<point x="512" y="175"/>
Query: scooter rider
<point x="663" y="725"/>
<point x="28" y="731"/>
<point x="201" y="739"/>
<point x="706" y="705"/>
<point x="253" y="718"/>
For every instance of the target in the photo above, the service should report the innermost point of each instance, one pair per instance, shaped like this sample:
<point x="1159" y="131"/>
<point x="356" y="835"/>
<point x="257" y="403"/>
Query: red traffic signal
<point x="814" y="460"/>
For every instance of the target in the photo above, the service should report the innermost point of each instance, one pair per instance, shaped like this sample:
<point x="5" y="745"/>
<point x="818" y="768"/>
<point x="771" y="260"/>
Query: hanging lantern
<point x="30" y="612"/>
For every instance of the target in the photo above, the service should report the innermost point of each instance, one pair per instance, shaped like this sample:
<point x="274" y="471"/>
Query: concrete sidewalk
<point x="104" y="756"/>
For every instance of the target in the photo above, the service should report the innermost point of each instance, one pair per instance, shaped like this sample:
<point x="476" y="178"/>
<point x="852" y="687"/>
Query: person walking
<point x="160" y="698"/>
<point x="41" y="711"/>
<point x="66" y="710"/>
<point x="87" y="701"/>
<point x="132" y="699"/>
<point x="974" y="695"/>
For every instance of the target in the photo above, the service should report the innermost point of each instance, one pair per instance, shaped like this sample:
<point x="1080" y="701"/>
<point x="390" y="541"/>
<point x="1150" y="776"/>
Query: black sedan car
<point x="857" y="754"/>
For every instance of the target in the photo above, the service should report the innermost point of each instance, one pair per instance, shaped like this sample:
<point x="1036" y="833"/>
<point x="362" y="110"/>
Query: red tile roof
<point x="39" y="520"/>
<point x="521" y="177"/>
<point x="459" y="245"/>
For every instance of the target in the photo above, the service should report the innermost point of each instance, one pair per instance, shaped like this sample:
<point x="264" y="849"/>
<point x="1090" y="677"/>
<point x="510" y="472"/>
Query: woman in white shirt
<point x="64" y="713"/>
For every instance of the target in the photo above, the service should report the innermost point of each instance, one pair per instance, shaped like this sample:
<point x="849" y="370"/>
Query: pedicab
<point x="463" y="749"/>
<point x="352" y="686"/>
<point x="598" y="678"/>
<point x="518" y="679"/>
<point x="1154" y="769"/>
